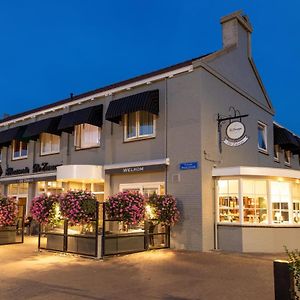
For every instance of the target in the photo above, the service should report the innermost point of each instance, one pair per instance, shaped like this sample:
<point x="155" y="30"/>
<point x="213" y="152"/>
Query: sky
<point x="49" y="49"/>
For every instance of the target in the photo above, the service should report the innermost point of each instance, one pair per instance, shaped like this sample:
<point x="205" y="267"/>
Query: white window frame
<point x="78" y="145"/>
<point x="276" y="153"/>
<point x="265" y="136"/>
<point x="138" y="136"/>
<point x="140" y="186"/>
<point x="42" y="137"/>
<point x="289" y="155"/>
<point x="13" y="150"/>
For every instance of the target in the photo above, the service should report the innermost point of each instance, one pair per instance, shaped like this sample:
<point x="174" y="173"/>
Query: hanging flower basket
<point x="45" y="209"/>
<point x="8" y="211"/>
<point x="128" y="207"/>
<point x="163" y="208"/>
<point x="78" y="207"/>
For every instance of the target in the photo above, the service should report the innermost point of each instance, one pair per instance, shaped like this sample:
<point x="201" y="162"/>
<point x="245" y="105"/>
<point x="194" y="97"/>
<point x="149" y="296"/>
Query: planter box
<point x="82" y="245"/>
<point x="8" y="236"/>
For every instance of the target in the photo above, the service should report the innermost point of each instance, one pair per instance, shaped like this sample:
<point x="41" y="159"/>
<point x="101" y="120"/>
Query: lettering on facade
<point x="43" y="167"/>
<point x="12" y="171"/>
<point x="136" y="169"/>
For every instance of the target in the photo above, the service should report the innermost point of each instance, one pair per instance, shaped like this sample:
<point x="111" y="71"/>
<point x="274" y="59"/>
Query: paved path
<point x="163" y="274"/>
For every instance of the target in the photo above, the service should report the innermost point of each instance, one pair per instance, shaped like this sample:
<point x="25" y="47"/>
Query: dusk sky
<point x="52" y="48"/>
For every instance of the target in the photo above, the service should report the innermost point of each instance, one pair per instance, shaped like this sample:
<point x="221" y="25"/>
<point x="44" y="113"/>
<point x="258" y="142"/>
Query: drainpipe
<point x="216" y="246"/>
<point x="166" y="133"/>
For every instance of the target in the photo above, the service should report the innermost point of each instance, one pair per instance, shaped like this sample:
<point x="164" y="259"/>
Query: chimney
<point x="236" y="31"/>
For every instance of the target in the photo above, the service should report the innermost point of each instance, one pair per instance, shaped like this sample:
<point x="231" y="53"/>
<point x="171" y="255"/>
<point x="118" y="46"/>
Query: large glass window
<point x="87" y="136"/>
<point x="19" y="150"/>
<point x="262" y="136"/>
<point x="49" y="187"/>
<point x="280" y="198"/>
<point x="255" y="201"/>
<point x="139" y="124"/>
<point x="50" y="143"/>
<point x="228" y="201"/>
<point x="296" y="202"/>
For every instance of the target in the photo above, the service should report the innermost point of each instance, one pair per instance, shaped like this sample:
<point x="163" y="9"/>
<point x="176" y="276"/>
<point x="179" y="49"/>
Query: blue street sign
<point x="188" y="165"/>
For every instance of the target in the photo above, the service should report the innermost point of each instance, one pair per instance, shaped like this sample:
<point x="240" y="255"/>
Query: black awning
<point x="7" y="136"/>
<point x="91" y="115"/>
<point x="50" y="125"/>
<point x="285" y="139"/>
<point x="146" y="101"/>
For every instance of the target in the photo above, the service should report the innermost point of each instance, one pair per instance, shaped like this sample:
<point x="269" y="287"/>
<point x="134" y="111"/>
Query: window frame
<point x="44" y="134"/>
<point x="289" y="155"/>
<point x="78" y="146"/>
<point x="276" y="153"/>
<point x="265" y="136"/>
<point x="20" y="151"/>
<point x="138" y="136"/>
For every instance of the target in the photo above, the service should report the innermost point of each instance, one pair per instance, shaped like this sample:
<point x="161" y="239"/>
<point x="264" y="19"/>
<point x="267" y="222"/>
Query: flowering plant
<point x="163" y="208"/>
<point x="127" y="206"/>
<point x="8" y="211"/>
<point x="78" y="207"/>
<point x="45" y="210"/>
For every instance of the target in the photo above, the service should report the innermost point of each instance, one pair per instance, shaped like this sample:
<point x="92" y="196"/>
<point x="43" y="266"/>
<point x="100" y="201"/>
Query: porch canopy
<point x="92" y="115"/>
<point x="49" y="125"/>
<point x="146" y="101"/>
<point x="285" y="139"/>
<point x="7" y="136"/>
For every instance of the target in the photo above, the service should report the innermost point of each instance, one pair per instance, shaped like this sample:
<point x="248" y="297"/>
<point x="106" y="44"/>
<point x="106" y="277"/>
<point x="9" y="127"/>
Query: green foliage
<point x="294" y="265"/>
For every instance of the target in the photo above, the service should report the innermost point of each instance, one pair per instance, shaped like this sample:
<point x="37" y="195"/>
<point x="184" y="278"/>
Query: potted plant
<point x="8" y="220"/>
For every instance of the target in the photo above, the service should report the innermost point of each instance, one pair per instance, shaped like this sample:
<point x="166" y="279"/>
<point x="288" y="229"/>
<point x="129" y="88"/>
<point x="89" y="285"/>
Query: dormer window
<point x="19" y="150"/>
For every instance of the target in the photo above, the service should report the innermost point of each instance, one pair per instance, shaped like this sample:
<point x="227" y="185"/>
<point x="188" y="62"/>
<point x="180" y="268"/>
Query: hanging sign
<point x="235" y="132"/>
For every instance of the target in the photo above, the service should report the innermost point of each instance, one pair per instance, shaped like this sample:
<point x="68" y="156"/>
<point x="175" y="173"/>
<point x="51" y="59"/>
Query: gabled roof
<point x="103" y="89"/>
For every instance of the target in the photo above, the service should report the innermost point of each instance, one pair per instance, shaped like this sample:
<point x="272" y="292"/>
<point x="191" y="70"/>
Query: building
<point x="202" y="130"/>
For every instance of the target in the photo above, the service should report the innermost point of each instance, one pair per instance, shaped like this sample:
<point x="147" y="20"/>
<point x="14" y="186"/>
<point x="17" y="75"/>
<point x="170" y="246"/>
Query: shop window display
<point x="228" y="201"/>
<point x="255" y="201"/>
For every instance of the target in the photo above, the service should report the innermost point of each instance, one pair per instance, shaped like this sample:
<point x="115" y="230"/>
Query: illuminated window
<point x="280" y="199"/>
<point x="228" y="201"/>
<point x="276" y="152"/>
<point x="262" y="136"/>
<point x="87" y="136"/>
<point x="287" y="157"/>
<point x="255" y="201"/>
<point x="19" y="150"/>
<point x="296" y="202"/>
<point x="138" y="125"/>
<point x="146" y="189"/>
<point x="50" y="143"/>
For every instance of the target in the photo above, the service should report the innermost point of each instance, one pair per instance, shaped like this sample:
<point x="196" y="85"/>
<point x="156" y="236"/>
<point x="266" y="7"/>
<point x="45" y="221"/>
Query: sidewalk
<point x="161" y="274"/>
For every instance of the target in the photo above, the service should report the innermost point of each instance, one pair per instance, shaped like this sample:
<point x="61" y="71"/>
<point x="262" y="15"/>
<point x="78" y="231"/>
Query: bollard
<point x="283" y="281"/>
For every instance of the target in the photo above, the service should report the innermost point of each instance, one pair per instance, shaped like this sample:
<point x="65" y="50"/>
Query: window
<point x="19" y="150"/>
<point x="280" y="198"/>
<point x="0" y="154"/>
<point x="276" y="153"/>
<point x="87" y="136"/>
<point x="255" y="201"/>
<point x="50" y="143"/>
<point x="287" y="157"/>
<point x="296" y="202"/>
<point x="262" y="137"/>
<point x="146" y="189"/>
<point x="228" y="201"/>
<point x="139" y="124"/>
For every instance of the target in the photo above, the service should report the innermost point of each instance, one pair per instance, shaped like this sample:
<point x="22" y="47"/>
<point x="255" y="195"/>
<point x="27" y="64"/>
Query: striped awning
<point x="7" y="136"/>
<point x="50" y="125"/>
<point x="285" y="139"/>
<point x="145" y="101"/>
<point x="92" y="115"/>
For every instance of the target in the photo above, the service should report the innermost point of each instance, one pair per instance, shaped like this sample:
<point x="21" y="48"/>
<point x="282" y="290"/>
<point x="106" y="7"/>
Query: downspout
<point x="166" y="133"/>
